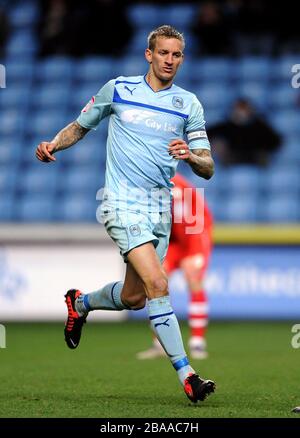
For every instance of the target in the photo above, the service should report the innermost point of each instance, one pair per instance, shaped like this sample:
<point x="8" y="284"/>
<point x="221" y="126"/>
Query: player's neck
<point x="155" y="83"/>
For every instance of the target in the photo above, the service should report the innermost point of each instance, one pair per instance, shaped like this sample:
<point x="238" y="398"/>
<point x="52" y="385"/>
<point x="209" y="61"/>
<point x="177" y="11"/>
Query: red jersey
<point x="187" y="205"/>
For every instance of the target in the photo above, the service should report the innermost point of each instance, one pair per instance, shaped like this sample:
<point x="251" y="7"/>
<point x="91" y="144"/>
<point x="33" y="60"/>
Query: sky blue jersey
<point x="142" y="124"/>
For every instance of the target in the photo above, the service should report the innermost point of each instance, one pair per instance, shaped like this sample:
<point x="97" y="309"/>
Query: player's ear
<point x="148" y="55"/>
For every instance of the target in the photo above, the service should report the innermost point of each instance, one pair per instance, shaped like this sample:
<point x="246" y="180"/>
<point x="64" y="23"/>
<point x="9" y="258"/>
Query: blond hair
<point x="165" y="31"/>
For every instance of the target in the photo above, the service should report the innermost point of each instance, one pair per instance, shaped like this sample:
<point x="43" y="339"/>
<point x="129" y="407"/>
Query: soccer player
<point x="189" y="252"/>
<point x="149" y="116"/>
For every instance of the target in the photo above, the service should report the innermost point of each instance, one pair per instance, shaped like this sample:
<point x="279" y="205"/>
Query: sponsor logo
<point x="177" y="102"/>
<point x="130" y="91"/>
<point x="149" y="118"/>
<point x="197" y="134"/>
<point x="135" y="230"/>
<point x="89" y="105"/>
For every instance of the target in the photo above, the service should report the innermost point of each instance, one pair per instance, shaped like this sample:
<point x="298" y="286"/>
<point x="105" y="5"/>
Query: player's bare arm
<point x="67" y="137"/>
<point x="200" y="160"/>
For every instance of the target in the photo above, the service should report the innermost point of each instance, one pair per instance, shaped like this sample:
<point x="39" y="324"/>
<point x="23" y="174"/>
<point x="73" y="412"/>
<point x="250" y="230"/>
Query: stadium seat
<point x="12" y="122"/>
<point x="51" y="96"/>
<point x="145" y="15"/>
<point x="22" y="44"/>
<point x="211" y="69"/>
<point x="24" y="14"/>
<point x="7" y="203"/>
<point x="97" y="69"/>
<point x="82" y="94"/>
<point x="19" y="73"/>
<point x="281" y="208"/>
<point x="286" y="121"/>
<point x="180" y="16"/>
<point x="256" y="93"/>
<point x="138" y="42"/>
<point x="14" y="97"/>
<point x="83" y="179"/>
<point x="131" y="66"/>
<point x="39" y="179"/>
<point x="46" y="123"/>
<point x="289" y="153"/>
<point x="90" y="150"/>
<point x="283" y="96"/>
<point x="57" y="69"/>
<point x="283" y="180"/>
<point x="215" y="95"/>
<point x="243" y="180"/>
<point x="77" y="208"/>
<point x="240" y="208"/>
<point x="282" y="67"/>
<point x="253" y="68"/>
<point x="36" y="208"/>
<point x="10" y="150"/>
<point x="8" y="179"/>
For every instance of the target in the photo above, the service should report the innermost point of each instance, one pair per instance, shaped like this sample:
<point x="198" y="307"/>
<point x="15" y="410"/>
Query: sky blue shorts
<point x="131" y="229"/>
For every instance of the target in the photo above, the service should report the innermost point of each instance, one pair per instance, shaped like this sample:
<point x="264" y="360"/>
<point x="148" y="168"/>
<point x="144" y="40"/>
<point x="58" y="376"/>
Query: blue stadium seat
<point x="46" y="123"/>
<point x="7" y="204"/>
<point x="215" y="95"/>
<point x="253" y="68"/>
<point x="138" y="42"/>
<point x="131" y="66"/>
<point x="57" y="69"/>
<point x="90" y="150"/>
<point x="19" y="73"/>
<point x="8" y="179"/>
<point x="14" y="97"/>
<point x="51" y="96"/>
<point x="289" y="153"/>
<point x="36" y="208"/>
<point x="213" y="115"/>
<point x="12" y="122"/>
<point x="22" y="44"/>
<point x="10" y="150"/>
<point x="24" y="14"/>
<point x="256" y="93"/>
<point x="77" y="208"/>
<point x="80" y="96"/>
<point x="39" y="179"/>
<point x="180" y="16"/>
<point x="98" y="69"/>
<point x="283" y="180"/>
<point x="145" y="15"/>
<point x="286" y="121"/>
<point x="282" y="96"/>
<point x="243" y="180"/>
<point x="211" y="69"/>
<point x="282" y="67"/>
<point x="240" y="208"/>
<point x="281" y="208"/>
<point x="83" y="179"/>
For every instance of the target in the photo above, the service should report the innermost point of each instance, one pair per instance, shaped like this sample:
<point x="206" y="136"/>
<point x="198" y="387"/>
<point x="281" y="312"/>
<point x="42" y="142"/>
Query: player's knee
<point x="157" y="287"/>
<point x="136" y="302"/>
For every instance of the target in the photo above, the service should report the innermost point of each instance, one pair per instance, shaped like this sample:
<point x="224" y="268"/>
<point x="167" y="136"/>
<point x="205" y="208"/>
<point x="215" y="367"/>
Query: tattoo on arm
<point x="202" y="163"/>
<point x="69" y="135"/>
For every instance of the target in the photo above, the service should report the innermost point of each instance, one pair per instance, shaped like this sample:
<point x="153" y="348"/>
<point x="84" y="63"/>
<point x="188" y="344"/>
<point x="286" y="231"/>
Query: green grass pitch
<point x="253" y="364"/>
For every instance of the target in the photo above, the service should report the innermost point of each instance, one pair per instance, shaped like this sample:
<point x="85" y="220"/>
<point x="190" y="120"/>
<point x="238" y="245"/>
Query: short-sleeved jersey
<point x="142" y="124"/>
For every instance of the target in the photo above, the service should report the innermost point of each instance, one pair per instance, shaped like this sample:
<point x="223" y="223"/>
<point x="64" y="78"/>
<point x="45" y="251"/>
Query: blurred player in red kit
<point x="191" y="253"/>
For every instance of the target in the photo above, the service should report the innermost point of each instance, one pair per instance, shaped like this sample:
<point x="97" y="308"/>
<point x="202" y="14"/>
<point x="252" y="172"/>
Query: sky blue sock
<point x="106" y="298"/>
<point x="165" y="325"/>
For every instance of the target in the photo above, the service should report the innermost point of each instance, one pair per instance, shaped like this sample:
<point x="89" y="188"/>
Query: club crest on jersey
<point x="177" y="102"/>
<point x="135" y="230"/>
<point x="89" y="105"/>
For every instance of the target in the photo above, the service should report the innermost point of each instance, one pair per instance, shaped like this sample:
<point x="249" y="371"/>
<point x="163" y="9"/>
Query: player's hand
<point x="178" y="149"/>
<point x="44" y="152"/>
